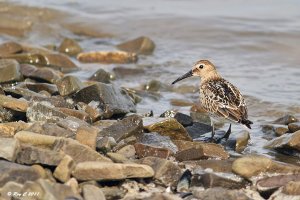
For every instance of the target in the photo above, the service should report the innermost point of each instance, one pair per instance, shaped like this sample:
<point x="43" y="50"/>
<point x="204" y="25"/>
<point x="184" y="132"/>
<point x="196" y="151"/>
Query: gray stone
<point x="68" y="85"/>
<point x="286" y="141"/>
<point x="91" y="192"/>
<point x="198" y="129"/>
<point x="9" y="71"/>
<point x="9" y="148"/>
<point x="51" y="129"/>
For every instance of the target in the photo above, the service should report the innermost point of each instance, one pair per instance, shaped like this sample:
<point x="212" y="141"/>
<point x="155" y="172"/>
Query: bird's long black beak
<point x="189" y="74"/>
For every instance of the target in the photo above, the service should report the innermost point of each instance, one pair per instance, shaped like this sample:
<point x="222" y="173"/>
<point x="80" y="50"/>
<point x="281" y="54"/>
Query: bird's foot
<point x="227" y="134"/>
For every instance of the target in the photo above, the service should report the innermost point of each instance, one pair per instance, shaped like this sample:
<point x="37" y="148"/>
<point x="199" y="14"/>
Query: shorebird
<point x="218" y="97"/>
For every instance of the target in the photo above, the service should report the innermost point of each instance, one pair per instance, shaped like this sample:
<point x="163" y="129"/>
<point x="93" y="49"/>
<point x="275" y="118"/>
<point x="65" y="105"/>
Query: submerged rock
<point x="9" y="71"/>
<point x="101" y="76"/>
<point x="10" y="48"/>
<point x="168" y="127"/>
<point x="286" y="141"/>
<point x="69" y="47"/>
<point x="110" y="99"/>
<point x="279" y="131"/>
<point x="140" y="45"/>
<point x="293" y="127"/>
<point x="239" y="141"/>
<point x="68" y="85"/>
<point x="107" y="57"/>
<point x="110" y="171"/>
<point x="261" y="165"/>
<point x="122" y="72"/>
<point x="285" y="120"/>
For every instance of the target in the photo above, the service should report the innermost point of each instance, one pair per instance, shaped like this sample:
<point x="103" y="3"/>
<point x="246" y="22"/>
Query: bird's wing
<point x="223" y="99"/>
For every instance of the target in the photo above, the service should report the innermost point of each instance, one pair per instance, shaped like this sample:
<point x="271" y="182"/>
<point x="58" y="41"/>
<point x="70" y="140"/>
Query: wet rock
<point x="128" y="151"/>
<point x="289" y="141"/>
<point x="220" y="194"/>
<point x="127" y="127"/>
<point x="261" y="165"/>
<point x="166" y="172"/>
<point x="53" y="60"/>
<point x="168" y="127"/>
<point x="87" y="136"/>
<point x="50" y="129"/>
<point x="56" y="101"/>
<point x="91" y="192"/>
<point x="79" y="152"/>
<point x="293" y="127"/>
<point x="143" y="150"/>
<point x="9" y="148"/>
<point x="14" y="104"/>
<point x="107" y="57"/>
<point x="198" y="129"/>
<point x="63" y="170"/>
<point x="183" y="119"/>
<point x="9" y="71"/>
<point x="199" y="150"/>
<point x="43" y="112"/>
<point x="17" y="173"/>
<point x="290" y="191"/>
<point x="156" y="140"/>
<point x="285" y="120"/>
<point x="76" y="113"/>
<point x="10" y="48"/>
<point x="274" y="182"/>
<point x="122" y="72"/>
<point x="31" y="155"/>
<point x="18" y="92"/>
<point x="9" y="129"/>
<point x="101" y="76"/>
<point x="155" y="86"/>
<point x="110" y="171"/>
<point x="239" y="141"/>
<point x="69" y="47"/>
<point x="43" y="74"/>
<point x="105" y="144"/>
<point x="140" y="45"/>
<point x="108" y="98"/>
<point x="223" y="166"/>
<point x="39" y="87"/>
<point x="68" y="85"/>
<point x="279" y="131"/>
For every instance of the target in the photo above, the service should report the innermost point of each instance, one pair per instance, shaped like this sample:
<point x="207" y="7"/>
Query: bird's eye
<point x="201" y="66"/>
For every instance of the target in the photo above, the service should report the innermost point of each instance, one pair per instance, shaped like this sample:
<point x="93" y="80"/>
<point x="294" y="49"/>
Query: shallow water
<point x="255" y="45"/>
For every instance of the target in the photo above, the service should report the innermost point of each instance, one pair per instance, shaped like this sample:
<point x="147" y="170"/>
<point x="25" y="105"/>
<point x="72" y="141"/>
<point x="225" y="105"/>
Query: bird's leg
<point x="213" y="129"/>
<point x="227" y="134"/>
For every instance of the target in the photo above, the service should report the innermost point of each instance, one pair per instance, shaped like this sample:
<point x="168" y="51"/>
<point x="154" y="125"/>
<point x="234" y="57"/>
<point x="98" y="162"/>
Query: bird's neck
<point x="212" y="75"/>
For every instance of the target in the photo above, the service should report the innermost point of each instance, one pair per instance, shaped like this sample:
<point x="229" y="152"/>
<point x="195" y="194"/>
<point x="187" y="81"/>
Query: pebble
<point x="107" y="57"/>
<point x="9" y="71"/>
<point x="69" y="47"/>
<point x="68" y="85"/>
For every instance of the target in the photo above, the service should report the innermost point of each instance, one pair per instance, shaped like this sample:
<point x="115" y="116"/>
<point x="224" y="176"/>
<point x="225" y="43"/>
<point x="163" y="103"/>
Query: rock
<point x="11" y="128"/>
<point x="63" y="170"/>
<point x="128" y="151"/>
<point x="199" y="114"/>
<point x="68" y="85"/>
<point x="87" y="136"/>
<point x="35" y="139"/>
<point x="199" y="150"/>
<point x="17" y="173"/>
<point x="105" y="144"/>
<point x="69" y="47"/>
<point x="168" y="127"/>
<point x="223" y="166"/>
<point x="183" y="119"/>
<point x="274" y="182"/>
<point x="129" y="126"/>
<point x="293" y="127"/>
<point x="239" y="141"/>
<point x="286" y="141"/>
<point x="72" y="123"/>
<point x="220" y="194"/>
<point x="198" y="129"/>
<point x="113" y="192"/>
<point x="108" y="98"/>
<point x="56" y="101"/>
<point x="10" y="48"/>
<point x="32" y="155"/>
<point x="101" y="76"/>
<point x="143" y="150"/>
<point x="122" y="72"/>
<point x="53" y="60"/>
<point x="9" y="148"/>
<point x="51" y="129"/>
<point x="110" y="171"/>
<point x="290" y="191"/>
<point x="181" y="102"/>
<point x="13" y="104"/>
<point x="279" y="131"/>
<point x="44" y="111"/>
<point x="168" y="114"/>
<point x="79" y="152"/>
<point x="39" y="87"/>
<point x="261" y="165"/>
<point x="91" y="192"/>
<point x="10" y="189"/>
<point x="166" y="172"/>
<point x="156" y="140"/>
<point x="76" y="113"/>
<point x="155" y="86"/>
<point x="94" y="113"/>
<point x="18" y="92"/>
<point x="285" y="120"/>
<point x="118" y="158"/>
<point x="107" y="57"/>
<point x="43" y="74"/>
<point x="127" y="141"/>
<point x="9" y="71"/>
<point x="212" y="180"/>
<point x="140" y="45"/>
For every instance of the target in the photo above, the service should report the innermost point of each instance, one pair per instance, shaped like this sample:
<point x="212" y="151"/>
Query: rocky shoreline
<point x="63" y="138"/>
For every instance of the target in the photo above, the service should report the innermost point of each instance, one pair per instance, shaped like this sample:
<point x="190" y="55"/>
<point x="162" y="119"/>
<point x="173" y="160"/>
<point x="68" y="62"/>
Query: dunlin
<point x="218" y="97"/>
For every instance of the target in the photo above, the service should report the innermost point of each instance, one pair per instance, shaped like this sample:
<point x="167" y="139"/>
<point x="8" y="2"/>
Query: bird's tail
<point x="247" y="123"/>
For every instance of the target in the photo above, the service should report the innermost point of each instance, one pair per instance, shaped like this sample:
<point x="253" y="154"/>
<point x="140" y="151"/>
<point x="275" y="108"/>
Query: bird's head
<point x="202" y="68"/>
